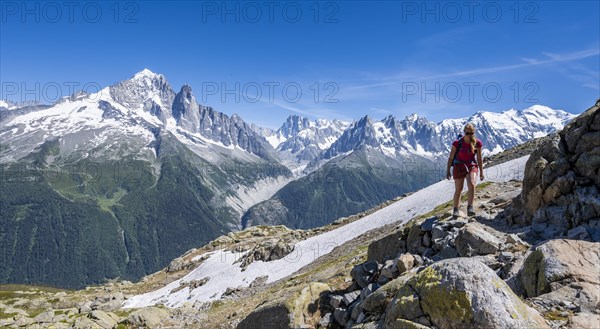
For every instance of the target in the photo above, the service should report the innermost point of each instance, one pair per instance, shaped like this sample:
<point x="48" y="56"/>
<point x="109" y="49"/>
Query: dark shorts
<point x="459" y="171"/>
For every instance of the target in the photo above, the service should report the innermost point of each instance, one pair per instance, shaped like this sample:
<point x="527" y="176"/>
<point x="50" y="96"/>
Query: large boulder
<point x="564" y="270"/>
<point x="103" y="319"/>
<point x="364" y="273"/>
<point x="377" y="302"/>
<point x="149" y="317"/>
<point x="44" y="317"/>
<point x="460" y="293"/>
<point x="561" y="186"/>
<point x="387" y="247"/>
<point x="291" y="312"/>
<point x="477" y="239"/>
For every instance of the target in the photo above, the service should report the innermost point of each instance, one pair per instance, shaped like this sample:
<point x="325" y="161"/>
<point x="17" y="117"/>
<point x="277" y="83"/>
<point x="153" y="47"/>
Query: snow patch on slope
<point x="248" y="196"/>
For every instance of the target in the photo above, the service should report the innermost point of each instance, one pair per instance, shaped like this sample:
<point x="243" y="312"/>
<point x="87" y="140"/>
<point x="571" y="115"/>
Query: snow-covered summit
<point x="147" y="74"/>
<point x="7" y="105"/>
<point x="415" y="135"/>
<point x="144" y="103"/>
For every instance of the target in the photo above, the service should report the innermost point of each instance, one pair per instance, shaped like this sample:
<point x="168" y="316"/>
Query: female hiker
<point x="463" y="163"/>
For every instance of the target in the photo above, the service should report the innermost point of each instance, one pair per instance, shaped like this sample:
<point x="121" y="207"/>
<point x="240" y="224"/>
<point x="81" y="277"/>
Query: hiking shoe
<point x="456" y="213"/>
<point x="471" y="211"/>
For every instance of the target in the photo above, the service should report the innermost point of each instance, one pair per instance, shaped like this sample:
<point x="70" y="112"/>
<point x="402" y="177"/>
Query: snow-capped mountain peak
<point x="143" y="103"/>
<point x="147" y="74"/>
<point x="7" y="105"/>
<point x="412" y="117"/>
<point x="299" y="140"/>
<point x="415" y="135"/>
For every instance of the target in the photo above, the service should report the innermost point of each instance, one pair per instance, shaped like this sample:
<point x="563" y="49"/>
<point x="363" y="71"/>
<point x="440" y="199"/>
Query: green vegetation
<point x="87" y="221"/>
<point x="106" y="203"/>
<point x="555" y="315"/>
<point x="6" y="315"/>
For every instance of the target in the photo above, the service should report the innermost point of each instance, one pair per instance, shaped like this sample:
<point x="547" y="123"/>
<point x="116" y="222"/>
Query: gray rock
<point x="350" y="297"/>
<point x="85" y="323"/>
<point x="461" y="293"/>
<point x="406" y="305"/>
<point x="364" y="273"/>
<point x="371" y="267"/>
<point x="438" y="233"/>
<point x="104" y="319"/>
<point x="427" y="224"/>
<point x="6" y="322"/>
<point x="563" y="263"/>
<point x="405" y="262"/>
<point x="44" y="317"/>
<point x="257" y="282"/>
<point x="108" y="306"/>
<point x="151" y="317"/>
<point x="361" y="317"/>
<point x="584" y="321"/>
<point x="387" y="247"/>
<point x="557" y="176"/>
<point x="505" y="256"/>
<point x="389" y="269"/>
<point x="60" y="318"/>
<point x="414" y="240"/>
<point x="427" y="240"/>
<point x="445" y="253"/>
<point x="178" y="264"/>
<point x="368" y="290"/>
<point x="22" y="321"/>
<point x="377" y="302"/>
<point x="515" y="239"/>
<point x="484" y="216"/>
<point x="85" y="307"/>
<point x="474" y="239"/>
<point x="554" y="170"/>
<point x="335" y="301"/>
<point x="341" y="316"/>
<point x="289" y="311"/>
<point x="356" y="310"/>
<point x="405" y="324"/>
<point x="578" y="233"/>
<point x="418" y="260"/>
<point x="458" y="223"/>
<point x="326" y="320"/>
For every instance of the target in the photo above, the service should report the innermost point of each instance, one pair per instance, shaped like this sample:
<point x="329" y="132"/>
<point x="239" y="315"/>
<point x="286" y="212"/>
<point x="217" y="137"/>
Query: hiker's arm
<point x="449" y="164"/>
<point x="480" y="163"/>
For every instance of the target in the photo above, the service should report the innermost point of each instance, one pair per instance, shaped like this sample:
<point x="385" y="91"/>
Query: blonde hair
<point x="471" y="127"/>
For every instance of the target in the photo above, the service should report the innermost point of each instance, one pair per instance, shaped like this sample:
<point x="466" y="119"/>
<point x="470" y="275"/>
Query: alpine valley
<point x="121" y="182"/>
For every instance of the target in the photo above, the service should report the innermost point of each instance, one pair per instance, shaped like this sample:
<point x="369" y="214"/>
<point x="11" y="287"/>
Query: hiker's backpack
<point x="460" y="140"/>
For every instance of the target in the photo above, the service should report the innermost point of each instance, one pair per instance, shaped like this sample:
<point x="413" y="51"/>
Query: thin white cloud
<point x="526" y="62"/>
<point x="552" y="58"/>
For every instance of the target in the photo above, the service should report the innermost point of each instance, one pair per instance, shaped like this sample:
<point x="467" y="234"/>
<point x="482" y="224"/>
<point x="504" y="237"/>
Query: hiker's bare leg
<point x="458" y="187"/>
<point x="471" y="179"/>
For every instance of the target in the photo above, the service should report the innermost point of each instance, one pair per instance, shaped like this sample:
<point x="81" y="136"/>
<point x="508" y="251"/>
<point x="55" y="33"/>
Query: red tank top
<point x="464" y="154"/>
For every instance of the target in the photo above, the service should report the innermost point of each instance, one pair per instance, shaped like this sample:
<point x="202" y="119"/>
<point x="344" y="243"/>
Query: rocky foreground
<point x="530" y="259"/>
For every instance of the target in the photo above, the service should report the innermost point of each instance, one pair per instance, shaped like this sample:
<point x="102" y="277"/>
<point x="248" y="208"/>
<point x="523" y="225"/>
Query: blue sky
<point x="347" y="59"/>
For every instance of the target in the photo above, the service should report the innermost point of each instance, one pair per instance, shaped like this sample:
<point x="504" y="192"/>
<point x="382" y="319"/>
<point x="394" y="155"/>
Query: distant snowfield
<point x="223" y="273"/>
<point x="261" y="190"/>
